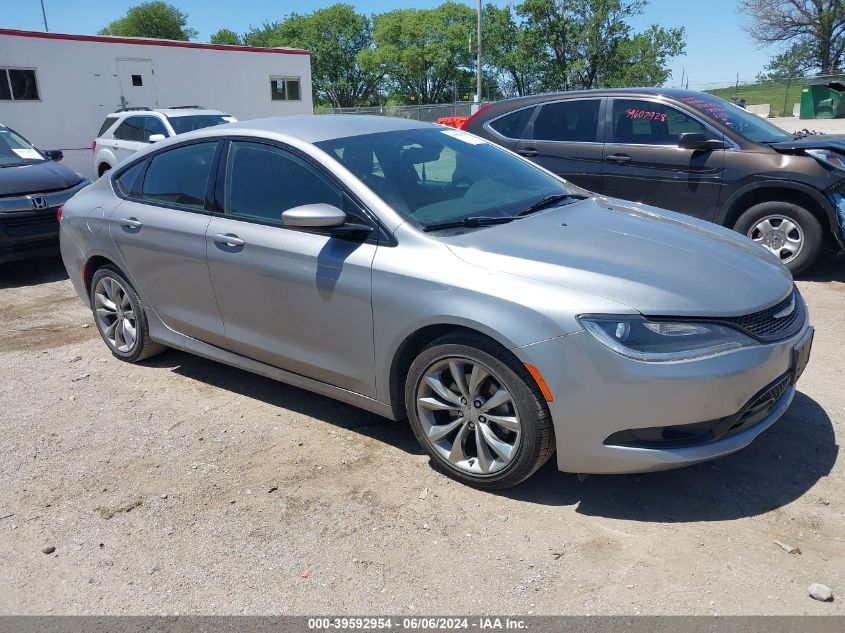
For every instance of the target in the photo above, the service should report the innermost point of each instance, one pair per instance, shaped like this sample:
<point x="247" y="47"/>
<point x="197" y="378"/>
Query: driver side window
<point x="638" y="122"/>
<point x="264" y="181"/>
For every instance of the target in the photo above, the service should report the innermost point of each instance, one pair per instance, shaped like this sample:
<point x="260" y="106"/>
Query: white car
<point x="129" y="129"/>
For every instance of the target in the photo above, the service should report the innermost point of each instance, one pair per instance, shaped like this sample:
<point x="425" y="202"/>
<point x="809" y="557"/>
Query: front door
<point x="643" y="163"/>
<point x="159" y="230"/>
<point x="564" y="138"/>
<point x="296" y="299"/>
<point x="137" y="83"/>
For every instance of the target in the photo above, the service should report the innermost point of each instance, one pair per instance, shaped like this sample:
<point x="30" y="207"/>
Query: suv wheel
<point x="789" y="231"/>
<point x="478" y="412"/>
<point x="119" y="316"/>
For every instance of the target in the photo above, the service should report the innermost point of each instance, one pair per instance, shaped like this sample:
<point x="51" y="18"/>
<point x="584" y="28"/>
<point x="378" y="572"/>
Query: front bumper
<point x="599" y="394"/>
<point x="27" y="232"/>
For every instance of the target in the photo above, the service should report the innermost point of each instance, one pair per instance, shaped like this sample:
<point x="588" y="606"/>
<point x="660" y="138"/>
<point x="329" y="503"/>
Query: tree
<point x="336" y="36"/>
<point x="226" y="36"/>
<point x="589" y="43"/>
<point x="816" y="27"/>
<point x="422" y="52"/>
<point x="796" y="61"/>
<point x="511" y="53"/>
<point x="152" y="19"/>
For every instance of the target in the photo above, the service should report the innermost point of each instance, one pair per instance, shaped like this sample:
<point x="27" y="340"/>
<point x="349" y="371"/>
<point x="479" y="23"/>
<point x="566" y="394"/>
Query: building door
<point x="137" y="83"/>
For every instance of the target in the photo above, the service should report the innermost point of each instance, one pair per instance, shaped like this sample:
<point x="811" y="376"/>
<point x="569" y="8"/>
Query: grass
<point x="772" y="92"/>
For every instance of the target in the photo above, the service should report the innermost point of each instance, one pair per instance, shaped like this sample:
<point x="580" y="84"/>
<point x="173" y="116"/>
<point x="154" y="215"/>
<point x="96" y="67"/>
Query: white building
<point x="56" y="89"/>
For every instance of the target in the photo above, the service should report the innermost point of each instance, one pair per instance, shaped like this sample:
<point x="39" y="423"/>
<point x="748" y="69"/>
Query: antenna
<point x="44" y="16"/>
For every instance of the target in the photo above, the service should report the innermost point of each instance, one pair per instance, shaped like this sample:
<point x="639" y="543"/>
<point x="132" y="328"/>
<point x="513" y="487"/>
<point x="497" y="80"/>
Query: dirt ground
<point x="184" y="486"/>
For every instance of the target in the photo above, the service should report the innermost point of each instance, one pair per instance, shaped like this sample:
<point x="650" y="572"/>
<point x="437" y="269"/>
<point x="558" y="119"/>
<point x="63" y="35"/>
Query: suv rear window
<point x="131" y="129"/>
<point x="106" y="125"/>
<point x="512" y="125"/>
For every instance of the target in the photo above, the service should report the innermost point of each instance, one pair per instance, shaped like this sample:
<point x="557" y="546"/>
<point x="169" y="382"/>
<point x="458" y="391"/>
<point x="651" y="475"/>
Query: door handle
<point x="527" y="152"/>
<point x="228" y="239"/>
<point x="131" y="223"/>
<point x="620" y="159"/>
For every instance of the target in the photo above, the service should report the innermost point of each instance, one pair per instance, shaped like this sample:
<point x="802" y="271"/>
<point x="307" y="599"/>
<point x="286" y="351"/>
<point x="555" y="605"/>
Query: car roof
<point x="313" y="128"/>
<point x="177" y="112"/>
<point x="672" y="93"/>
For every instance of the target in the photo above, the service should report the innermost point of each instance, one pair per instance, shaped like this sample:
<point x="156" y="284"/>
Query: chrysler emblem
<point x="38" y="202"/>
<point x="786" y="311"/>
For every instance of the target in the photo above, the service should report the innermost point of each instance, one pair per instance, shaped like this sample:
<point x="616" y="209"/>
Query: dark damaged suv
<point x="689" y="152"/>
<point x="32" y="188"/>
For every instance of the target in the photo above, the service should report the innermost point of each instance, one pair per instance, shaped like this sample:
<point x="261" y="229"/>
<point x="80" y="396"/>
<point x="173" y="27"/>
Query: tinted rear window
<point x="127" y="182"/>
<point x="131" y="129"/>
<point x="573" y="121"/>
<point x="106" y="125"/>
<point x="180" y="176"/>
<point x="512" y="125"/>
<point x="182" y="124"/>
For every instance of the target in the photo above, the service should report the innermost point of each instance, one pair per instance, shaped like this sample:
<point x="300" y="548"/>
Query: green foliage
<point x="152" y="19"/>
<point x="512" y="53"/>
<point x="421" y="52"/>
<point x="795" y="61"/>
<point x="226" y="36"/>
<point x="337" y="37"/>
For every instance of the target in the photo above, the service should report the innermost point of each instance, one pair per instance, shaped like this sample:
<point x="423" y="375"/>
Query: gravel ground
<point x="184" y="486"/>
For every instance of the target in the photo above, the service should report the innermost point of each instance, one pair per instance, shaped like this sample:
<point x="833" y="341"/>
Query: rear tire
<point x="103" y="168"/>
<point x="788" y="230"/>
<point x="120" y="316"/>
<point x="490" y="427"/>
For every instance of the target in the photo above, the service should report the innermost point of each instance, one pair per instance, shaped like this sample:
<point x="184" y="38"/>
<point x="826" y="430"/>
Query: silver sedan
<point x="420" y="272"/>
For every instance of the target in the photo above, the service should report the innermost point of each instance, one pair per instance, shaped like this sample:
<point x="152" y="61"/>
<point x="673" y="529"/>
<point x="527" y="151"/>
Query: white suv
<point x="129" y="129"/>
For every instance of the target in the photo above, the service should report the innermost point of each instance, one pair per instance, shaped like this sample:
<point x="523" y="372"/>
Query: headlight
<point x="661" y="341"/>
<point x="829" y="158"/>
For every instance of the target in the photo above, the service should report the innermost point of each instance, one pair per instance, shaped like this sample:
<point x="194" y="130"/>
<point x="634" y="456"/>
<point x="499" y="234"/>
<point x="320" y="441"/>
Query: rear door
<point x="128" y="137"/>
<point x="563" y="137"/>
<point x="159" y="230"/>
<point x="643" y="163"/>
<point x="137" y="83"/>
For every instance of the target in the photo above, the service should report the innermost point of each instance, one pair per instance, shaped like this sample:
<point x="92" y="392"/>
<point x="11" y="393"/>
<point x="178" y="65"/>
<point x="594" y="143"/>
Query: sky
<point x="717" y="47"/>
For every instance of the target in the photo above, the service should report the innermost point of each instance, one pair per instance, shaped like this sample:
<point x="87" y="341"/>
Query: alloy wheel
<point x="468" y="415"/>
<point x="779" y="234"/>
<point x="115" y="315"/>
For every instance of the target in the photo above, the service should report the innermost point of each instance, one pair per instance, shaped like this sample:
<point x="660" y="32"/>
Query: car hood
<point x="656" y="262"/>
<point x="814" y="141"/>
<point x="36" y="178"/>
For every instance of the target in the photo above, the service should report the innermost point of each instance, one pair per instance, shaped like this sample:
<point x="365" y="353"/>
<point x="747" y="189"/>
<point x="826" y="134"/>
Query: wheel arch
<point x="773" y="191"/>
<point x="91" y="266"/>
<point x="410" y="347"/>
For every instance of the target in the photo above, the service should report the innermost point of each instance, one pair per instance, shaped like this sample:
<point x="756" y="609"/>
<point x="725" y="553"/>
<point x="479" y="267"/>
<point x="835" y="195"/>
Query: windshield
<point x="432" y="176"/>
<point x="740" y="120"/>
<point x="15" y="150"/>
<point x="182" y="124"/>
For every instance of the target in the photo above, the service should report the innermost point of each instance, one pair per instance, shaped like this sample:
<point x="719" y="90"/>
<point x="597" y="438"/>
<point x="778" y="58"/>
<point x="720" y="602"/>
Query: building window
<point x="137" y="80"/>
<point x="284" y="89"/>
<point x="18" y="84"/>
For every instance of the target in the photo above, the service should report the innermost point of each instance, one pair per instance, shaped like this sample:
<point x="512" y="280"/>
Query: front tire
<point x="790" y="232"/>
<point x="477" y="412"/>
<point x="120" y="317"/>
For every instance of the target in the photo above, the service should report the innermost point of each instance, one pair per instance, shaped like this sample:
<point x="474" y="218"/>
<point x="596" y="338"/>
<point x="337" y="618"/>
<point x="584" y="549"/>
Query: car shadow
<point x="779" y="467"/>
<point x="30" y="272"/>
<point x="831" y="267"/>
<point x="279" y="394"/>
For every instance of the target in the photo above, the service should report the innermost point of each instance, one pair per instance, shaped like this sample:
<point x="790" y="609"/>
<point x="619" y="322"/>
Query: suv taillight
<point x="59" y="213"/>
<point x="94" y="145"/>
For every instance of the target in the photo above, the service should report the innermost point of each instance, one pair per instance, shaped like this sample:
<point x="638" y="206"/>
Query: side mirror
<point x="53" y="154"/>
<point x="155" y="138"/>
<point x="323" y="216"/>
<point x="697" y="141"/>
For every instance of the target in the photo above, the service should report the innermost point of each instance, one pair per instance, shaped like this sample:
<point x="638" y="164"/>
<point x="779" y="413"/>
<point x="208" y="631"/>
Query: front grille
<point x="766" y="327"/>
<point x="775" y="392"/>
<point x="30" y="225"/>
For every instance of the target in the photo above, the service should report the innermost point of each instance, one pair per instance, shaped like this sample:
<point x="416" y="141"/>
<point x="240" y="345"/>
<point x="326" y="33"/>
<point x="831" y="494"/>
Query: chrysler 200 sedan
<point x="422" y="272"/>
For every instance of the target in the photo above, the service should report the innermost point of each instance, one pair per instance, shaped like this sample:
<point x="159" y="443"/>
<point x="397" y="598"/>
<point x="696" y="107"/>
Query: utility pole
<point x="44" y="16"/>
<point x="478" y="61"/>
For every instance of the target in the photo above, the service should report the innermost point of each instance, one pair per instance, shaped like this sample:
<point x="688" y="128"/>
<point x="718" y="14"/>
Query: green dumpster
<point x="823" y="101"/>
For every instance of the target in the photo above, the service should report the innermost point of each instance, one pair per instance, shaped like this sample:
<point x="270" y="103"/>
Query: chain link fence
<point x="428" y="113"/>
